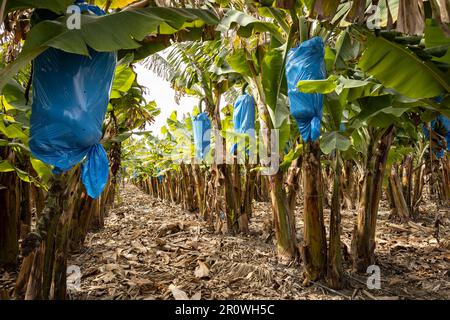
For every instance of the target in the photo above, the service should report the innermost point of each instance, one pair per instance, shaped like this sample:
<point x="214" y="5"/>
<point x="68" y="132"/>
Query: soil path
<point x="150" y="249"/>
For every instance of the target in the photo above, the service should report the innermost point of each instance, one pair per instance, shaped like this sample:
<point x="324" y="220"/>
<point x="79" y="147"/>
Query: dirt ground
<point x="150" y="249"/>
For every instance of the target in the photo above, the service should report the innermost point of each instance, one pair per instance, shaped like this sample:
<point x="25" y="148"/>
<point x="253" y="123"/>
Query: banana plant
<point x="371" y="99"/>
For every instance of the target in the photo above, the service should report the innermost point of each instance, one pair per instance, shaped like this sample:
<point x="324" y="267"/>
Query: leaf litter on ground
<point x="152" y="249"/>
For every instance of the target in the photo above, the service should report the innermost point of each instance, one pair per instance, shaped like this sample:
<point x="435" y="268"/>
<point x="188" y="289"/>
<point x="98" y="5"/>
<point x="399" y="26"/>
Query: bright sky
<point x="161" y="92"/>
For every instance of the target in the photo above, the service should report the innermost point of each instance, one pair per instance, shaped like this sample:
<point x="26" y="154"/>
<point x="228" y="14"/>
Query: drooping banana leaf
<point x="248" y="25"/>
<point x="436" y="38"/>
<point x="58" y="6"/>
<point x="112" y="32"/>
<point x="334" y="140"/>
<point x="399" y="68"/>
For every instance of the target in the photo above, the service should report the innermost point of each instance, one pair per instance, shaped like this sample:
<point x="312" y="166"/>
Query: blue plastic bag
<point x="84" y="6"/>
<point x="159" y="176"/>
<point x="440" y="125"/>
<point x="202" y="134"/>
<point x="70" y="97"/>
<point x="446" y="124"/>
<point x="306" y="62"/>
<point x="244" y="116"/>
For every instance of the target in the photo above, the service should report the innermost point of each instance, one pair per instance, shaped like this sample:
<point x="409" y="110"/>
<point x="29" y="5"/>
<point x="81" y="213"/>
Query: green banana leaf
<point x="248" y="25"/>
<point x="398" y="68"/>
<point x="58" y="6"/>
<point x="120" y="30"/>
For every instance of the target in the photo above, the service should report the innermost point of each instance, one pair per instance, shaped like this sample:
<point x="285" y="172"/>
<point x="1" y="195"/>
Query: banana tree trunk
<point x="59" y="272"/>
<point x="347" y="186"/>
<point x="42" y="274"/>
<point x="283" y="219"/>
<point x="407" y="180"/>
<point x="335" y="270"/>
<point x="390" y="197"/>
<point x="81" y="221"/>
<point x="199" y="189"/>
<point x="38" y="196"/>
<point x="9" y="219"/>
<point x="292" y="182"/>
<point x="242" y="216"/>
<point x="224" y="171"/>
<point x="417" y="189"/>
<point x="97" y="219"/>
<point x="249" y="192"/>
<point x="399" y="200"/>
<point x="187" y="188"/>
<point x="363" y="241"/>
<point x="169" y="187"/>
<point x="231" y="201"/>
<point x="314" y="249"/>
<point x="446" y="177"/>
<point x="25" y="208"/>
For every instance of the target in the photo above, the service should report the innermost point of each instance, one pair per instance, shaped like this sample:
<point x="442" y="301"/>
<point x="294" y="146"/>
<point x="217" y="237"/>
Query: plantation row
<point x="313" y="104"/>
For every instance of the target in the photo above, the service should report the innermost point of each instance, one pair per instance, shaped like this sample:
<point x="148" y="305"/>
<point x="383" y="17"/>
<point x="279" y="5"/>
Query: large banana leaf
<point x="58" y="6"/>
<point x="273" y="75"/>
<point x="123" y="80"/>
<point x="248" y="25"/>
<point x="120" y="30"/>
<point x="436" y="38"/>
<point x="275" y="89"/>
<point x="240" y="63"/>
<point x="334" y="140"/>
<point x="398" y="68"/>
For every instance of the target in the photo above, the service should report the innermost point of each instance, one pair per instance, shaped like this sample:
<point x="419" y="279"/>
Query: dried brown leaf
<point x="177" y="293"/>
<point x="202" y="270"/>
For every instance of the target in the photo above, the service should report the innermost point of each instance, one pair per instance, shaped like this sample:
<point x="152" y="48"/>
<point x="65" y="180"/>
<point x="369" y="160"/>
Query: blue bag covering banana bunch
<point x="306" y="62"/>
<point x="243" y="116"/>
<point x="70" y="97"/>
<point x="202" y="134"/>
<point x="441" y="129"/>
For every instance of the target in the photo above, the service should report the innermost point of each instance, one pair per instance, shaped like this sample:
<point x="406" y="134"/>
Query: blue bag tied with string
<point x="70" y="97"/>
<point x="441" y="126"/>
<point x="306" y="62"/>
<point x="202" y="134"/>
<point x="244" y="116"/>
